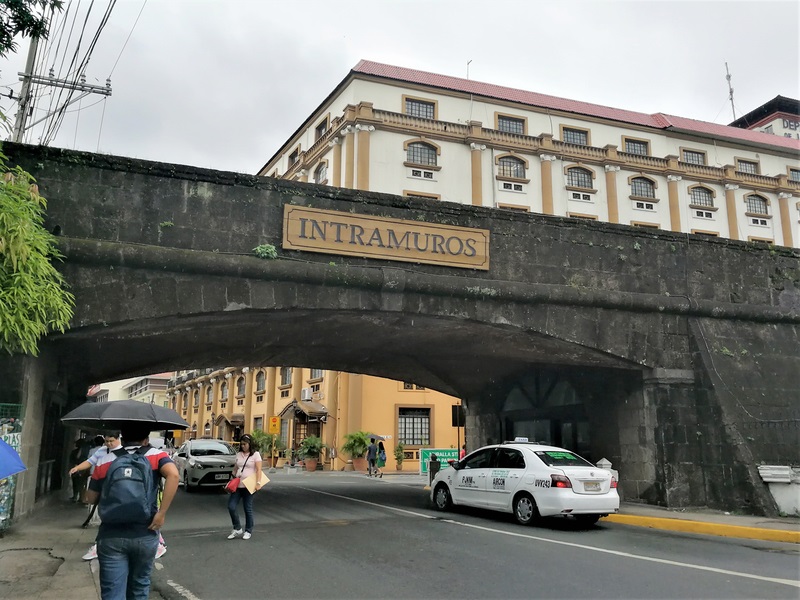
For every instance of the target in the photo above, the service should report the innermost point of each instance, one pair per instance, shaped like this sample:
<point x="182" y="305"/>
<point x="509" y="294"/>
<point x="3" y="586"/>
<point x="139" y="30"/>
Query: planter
<point x="399" y="466"/>
<point x="279" y="462"/>
<point x="360" y="464"/>
<point x="311" y="464"/>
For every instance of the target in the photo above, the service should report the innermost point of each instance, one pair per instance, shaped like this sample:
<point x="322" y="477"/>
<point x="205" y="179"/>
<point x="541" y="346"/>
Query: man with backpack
<point x="126" y="483"/>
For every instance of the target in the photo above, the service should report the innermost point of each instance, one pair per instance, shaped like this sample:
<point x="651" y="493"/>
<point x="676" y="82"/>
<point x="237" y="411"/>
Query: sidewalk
<point x="40" y="557"/>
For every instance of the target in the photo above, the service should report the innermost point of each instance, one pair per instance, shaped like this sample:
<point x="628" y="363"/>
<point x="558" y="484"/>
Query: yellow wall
<point x="354" y="403"/>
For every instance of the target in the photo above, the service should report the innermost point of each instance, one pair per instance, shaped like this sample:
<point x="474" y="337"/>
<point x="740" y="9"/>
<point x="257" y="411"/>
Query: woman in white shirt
<point x="248" y="461"/>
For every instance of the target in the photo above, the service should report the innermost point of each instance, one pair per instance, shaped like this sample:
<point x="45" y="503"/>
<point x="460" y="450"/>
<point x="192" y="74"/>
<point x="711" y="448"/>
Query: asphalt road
<point x="346" y="536"/>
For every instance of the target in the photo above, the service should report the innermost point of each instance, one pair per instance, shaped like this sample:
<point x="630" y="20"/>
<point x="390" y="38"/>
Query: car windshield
<point x="211" y="449"/>
<point x="562" y="458"/>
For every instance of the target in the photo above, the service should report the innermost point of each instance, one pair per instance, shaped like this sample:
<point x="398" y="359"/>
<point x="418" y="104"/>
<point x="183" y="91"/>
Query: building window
<point x="640" y="147"/>
<point x="258" y="423"/>
<point x="316" y="374"/>
<point x="185" y="401"/>
<point x="747" y="166"/>
<point x="209" y="394"/>
<point x="509" y="166"/>
<point x="294" y="157"/>
<point x="794" y="174"/>
<point x="196" y="398"/>
<point x="261" y="381"/>
<point x="260" y="398"/>
<point x="420" y="108"/>
<point x="511" y="124"/>
<point x="240" y="386"/>
<point x="411" y="386"/>
<point x="320" y="129"/>
<point x="223" y="391"/>
<point x="756" y="205"/>
<point x="641" y="187"/>
<point x="321" y="173"/>
<point x="414" y="426"/>
<point x="286" y="375"/>
<point x="578" y="177"/>
<point x="575" y="136"/>
<point x="701" y="196"/>
<point x="420" y="153"/>
<point x="693" y="157"/>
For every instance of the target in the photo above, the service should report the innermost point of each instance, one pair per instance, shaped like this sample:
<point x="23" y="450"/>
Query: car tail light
<point x="560" y="481"/>
<point x="613" y="482"/>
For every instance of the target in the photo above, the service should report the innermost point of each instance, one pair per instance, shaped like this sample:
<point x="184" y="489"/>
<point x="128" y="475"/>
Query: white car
<point x="205" y="463"/>
<point x="529" y="480"/>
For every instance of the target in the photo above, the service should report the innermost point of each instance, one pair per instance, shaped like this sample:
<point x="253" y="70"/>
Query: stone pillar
<point x="336" y="175"/>
<point x="674" y="202"/>
<point x="547" y="183"/>
<point x="349" y="156"/>
<point x="611" y="193"/>
<point x="476" y="152"/>
<point x="730" y="205"/>
<point x="342" y="414"/>
<point x="249" y="399"/>
<point x="363" y="155"/>
<point x="786" y="222"/>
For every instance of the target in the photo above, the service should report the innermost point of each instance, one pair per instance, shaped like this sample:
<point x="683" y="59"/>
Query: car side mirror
<point x="456" y="464"/>
<point x="181" y="454"/>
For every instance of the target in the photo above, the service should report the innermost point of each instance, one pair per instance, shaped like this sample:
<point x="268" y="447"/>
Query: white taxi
<point x="529" y="480"/>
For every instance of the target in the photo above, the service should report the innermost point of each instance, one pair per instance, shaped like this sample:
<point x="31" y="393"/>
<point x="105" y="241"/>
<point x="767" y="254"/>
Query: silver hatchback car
<point x="205" y="463"/>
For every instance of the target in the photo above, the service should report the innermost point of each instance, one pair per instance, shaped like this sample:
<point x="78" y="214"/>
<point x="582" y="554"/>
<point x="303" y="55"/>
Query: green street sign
<point x="443" y="454"/>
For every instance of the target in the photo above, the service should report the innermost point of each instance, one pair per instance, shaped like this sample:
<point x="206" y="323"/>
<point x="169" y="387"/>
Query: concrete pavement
<point x="40" y="557"/>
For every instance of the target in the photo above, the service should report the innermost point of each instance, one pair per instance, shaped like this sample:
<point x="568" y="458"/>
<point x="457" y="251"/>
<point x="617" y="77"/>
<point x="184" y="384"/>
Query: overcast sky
<point x="222" y="83"/>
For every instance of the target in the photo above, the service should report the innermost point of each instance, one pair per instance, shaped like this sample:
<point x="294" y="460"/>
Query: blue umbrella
<point x="10" y="462"/>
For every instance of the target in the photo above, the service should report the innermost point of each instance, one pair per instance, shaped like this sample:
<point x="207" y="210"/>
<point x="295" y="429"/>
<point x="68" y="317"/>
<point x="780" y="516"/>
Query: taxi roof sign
<point x="520" y="439"/>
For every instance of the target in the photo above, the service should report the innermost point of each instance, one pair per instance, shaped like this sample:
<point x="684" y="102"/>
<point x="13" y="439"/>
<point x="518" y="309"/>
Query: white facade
<point x="643" y="170"/>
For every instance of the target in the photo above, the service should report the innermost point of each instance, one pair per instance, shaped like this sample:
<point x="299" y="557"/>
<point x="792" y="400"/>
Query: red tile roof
<point x="499" y="92"/>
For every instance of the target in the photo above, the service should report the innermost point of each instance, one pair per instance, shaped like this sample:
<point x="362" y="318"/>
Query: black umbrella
<point x="376" y="437"/>
<point x="114" y="415"/>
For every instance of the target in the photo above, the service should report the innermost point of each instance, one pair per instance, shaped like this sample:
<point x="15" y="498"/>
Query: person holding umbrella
<point x="126" y="549"/>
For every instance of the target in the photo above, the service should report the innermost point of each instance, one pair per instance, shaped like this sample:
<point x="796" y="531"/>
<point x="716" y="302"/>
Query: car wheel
<point x="441" y="498"/>
<point x="189" y="489"/>
<point x="525" y="510"/>
<point x="587" y="520"/>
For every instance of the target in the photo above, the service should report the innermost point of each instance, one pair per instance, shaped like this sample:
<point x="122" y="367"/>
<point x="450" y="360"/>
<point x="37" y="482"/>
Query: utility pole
<point x="28" y="77"/>
<point x="730" y="90"/>
<point x="24" y="95"/>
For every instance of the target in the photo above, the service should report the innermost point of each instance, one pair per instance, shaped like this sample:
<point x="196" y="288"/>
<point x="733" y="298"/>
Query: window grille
<point x="643" y="188"/>
<point x="508" y="166"/>
<point x="420" y="108"/>
<point x="414" y="426"/>
<point x="702" y="196"/>
<point x="578" y="177"/>
<point x="511" y="125"/>
<point x="421" y="154"/>
<point x="756" y="205"/>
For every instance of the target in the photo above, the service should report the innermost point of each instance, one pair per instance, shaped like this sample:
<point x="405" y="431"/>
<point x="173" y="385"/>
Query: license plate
<point x="221" y="476"/>
<point x="591" y="486"/>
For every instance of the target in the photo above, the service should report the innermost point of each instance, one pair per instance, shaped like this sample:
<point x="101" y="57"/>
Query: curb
<point x="705" y="528"/>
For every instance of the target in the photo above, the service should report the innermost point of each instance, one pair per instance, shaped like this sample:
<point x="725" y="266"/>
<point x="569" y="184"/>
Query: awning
<point x="312" y="409"/>
<point x="236" y="419"/>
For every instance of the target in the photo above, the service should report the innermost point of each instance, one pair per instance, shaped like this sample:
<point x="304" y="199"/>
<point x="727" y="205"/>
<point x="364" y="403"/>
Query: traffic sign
<point x="274" y="425"/>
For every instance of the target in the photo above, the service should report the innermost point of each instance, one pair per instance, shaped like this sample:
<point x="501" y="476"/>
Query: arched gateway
<point x="672" y="355"/>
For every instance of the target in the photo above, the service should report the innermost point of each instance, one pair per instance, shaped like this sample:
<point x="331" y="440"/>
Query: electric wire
<point x="141" y="10"/>
<point x="80" y="69"/>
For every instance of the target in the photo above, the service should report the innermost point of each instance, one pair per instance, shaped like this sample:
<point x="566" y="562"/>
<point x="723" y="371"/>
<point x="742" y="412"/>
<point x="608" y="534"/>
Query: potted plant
<point x="399" y="456"/>
<point x="309" y="450"/>
<point x="356" y="446"/>
<point x="268" y="444"/>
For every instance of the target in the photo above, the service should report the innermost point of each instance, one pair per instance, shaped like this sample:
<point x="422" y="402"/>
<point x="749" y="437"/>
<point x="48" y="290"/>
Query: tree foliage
<point x="24" y="17"/>
<point x="33" y="298"/>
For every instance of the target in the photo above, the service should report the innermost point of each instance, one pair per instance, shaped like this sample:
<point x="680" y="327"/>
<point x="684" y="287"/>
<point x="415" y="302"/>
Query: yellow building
<point x="228" y="402"/>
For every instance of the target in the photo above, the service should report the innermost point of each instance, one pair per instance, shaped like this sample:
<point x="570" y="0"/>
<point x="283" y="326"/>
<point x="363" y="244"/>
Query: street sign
<point x="443" y="454"/>
<point x="274" y="425"/>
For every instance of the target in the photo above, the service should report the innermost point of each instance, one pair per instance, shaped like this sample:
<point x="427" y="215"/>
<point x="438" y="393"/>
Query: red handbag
<point x="233" y="484"/>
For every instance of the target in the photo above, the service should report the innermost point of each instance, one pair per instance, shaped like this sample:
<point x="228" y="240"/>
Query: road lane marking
<point x="662" y="561"/>
<point x="182" y="590"/>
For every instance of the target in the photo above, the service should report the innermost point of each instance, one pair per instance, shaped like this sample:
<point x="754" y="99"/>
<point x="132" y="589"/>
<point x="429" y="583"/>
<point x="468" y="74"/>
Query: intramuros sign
<point x="333" y="232"/>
